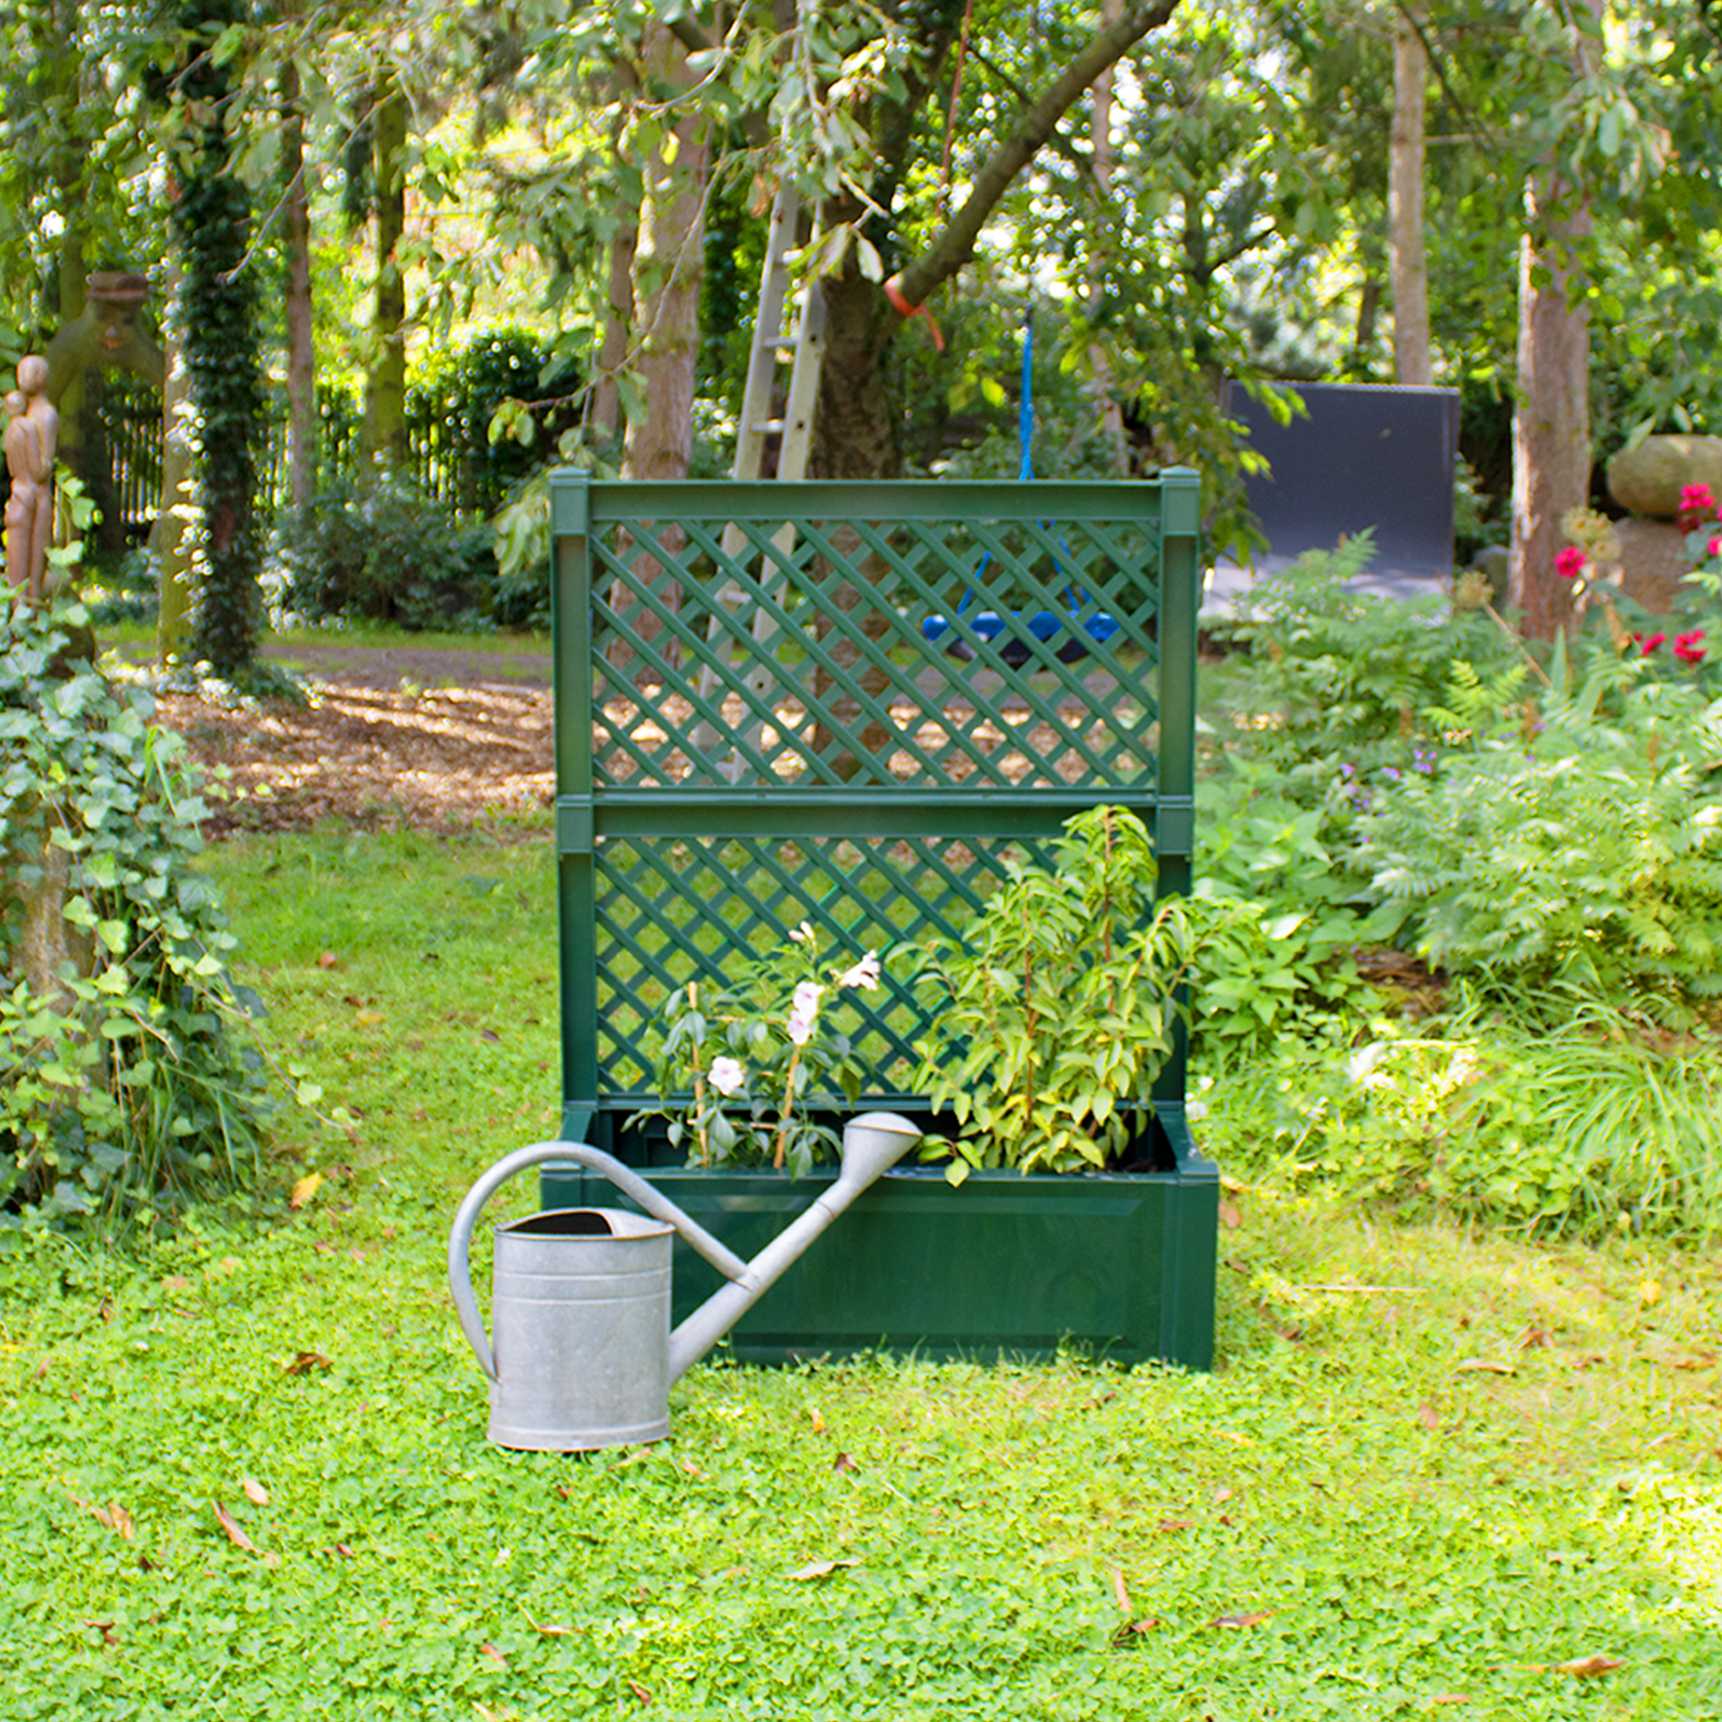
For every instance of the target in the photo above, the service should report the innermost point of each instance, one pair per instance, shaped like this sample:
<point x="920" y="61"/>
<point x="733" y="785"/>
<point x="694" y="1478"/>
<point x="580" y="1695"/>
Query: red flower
<point x="1649" y="643"/>
<point x="1689" y="647"/>
<point x="1570" y="562"/>
<point x="1696" y="499"/>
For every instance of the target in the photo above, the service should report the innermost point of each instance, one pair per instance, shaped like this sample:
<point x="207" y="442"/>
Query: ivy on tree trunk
<point x="216" y="315"/>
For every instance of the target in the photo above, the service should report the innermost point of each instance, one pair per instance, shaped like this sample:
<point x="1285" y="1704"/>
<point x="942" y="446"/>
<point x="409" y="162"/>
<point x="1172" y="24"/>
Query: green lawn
<point x="376" y="635"/>
<point x="1430" y="1464"/>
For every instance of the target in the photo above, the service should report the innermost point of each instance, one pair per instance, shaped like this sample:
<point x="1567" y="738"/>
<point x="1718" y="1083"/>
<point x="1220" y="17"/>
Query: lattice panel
<point x="672" y="910"/>
<point x="794" y="653"/>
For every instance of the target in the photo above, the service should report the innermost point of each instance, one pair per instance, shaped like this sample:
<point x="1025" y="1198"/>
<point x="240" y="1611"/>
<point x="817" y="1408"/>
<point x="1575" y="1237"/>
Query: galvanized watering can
<point x="583" y="1355"/>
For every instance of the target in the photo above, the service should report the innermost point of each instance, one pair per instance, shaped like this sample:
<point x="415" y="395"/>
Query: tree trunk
<point x="1105" y="158"/>
<point x="1411" y="358"/>
<point x="168" y="538"/>
<point x="668" y="265"/>
<point x="613" y="350"/>
<point x="855" y="429"/>
<point x="72" y="286"/>
<point x="301" y="358"/>
<point x="385" y="438"/>
<point x="1551" y="421"/>
<point x="1368" y="307"/>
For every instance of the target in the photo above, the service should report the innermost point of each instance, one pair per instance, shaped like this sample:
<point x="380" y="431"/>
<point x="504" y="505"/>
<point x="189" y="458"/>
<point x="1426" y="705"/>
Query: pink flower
<point x="1648" y="643"/>
<point x="1570" y="562"/>
<point x="1714" y="547"/>
<point x="1696" y="499"/>
<point x="1689" y="647"/>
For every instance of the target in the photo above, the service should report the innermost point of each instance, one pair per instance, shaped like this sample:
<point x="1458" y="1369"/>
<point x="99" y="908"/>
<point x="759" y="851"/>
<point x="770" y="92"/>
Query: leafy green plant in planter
<point x="750" y="1063"/>
<point x="1055" y="1011"/>
<point x="128" y="1068"/>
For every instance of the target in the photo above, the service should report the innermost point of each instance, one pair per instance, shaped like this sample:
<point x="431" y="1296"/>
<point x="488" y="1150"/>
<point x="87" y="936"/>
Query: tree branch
<point x="956" y="243"/>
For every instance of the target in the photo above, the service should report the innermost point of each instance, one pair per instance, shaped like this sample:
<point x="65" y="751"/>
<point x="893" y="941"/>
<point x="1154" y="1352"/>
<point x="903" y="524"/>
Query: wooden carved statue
<point x="32" y="436"/>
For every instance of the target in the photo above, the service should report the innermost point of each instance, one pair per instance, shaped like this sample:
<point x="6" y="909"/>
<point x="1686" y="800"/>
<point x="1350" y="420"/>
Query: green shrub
<point x="453" y="396"/>
<point x="1584" y="856"/>
<point x="133" y="1073"/>
<point x="1341" y="680"/>
<point x="1289" y="918"/>
<point x="381" y="550"/>
<point x="1582" y="1127"/>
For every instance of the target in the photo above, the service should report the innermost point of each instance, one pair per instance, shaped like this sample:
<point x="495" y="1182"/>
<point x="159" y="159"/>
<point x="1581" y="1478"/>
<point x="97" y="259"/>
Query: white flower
<point x="728" y="1076"/>
<point x="800" y="1028"/>
<point x="807" y="997"/>
<point x="804" y="934"/>
<point x="864" y="974"/>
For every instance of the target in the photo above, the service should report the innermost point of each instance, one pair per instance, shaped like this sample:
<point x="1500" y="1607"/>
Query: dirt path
<point x="378" y="757"/>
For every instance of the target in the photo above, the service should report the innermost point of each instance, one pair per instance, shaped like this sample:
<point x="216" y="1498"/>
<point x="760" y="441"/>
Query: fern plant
<point x="1586" y="853"/>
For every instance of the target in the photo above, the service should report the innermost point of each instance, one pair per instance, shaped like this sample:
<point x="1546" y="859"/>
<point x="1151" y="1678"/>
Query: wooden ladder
<point x="788" y="325"/>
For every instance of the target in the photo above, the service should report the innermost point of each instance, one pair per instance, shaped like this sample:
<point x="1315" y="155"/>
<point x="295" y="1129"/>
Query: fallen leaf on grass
<point x="367" y="1018"/>
<point x="1533" y="1338"/>
<point x="235" y="1531"/>
<point x="1121" y="1593"/>
<point x="1230" y="1217"/>
<point x="1428" y="1416"/>
<point x="113" y="1515"/>
<point x="639" y="1692"/>
<point x="1650" y="1292"/>
<point x="494" y="1654"/>
<point x="1485" y="1366"/>
<point x="176" y="1282"/>
<point x="822" y="1569"/>
<point x="1239" y="1620"/>
<point x="328" y="960"/>
<point x="1701" y="1360"/>
<point x="844" y="1463"/>
<point x="1222" y="1495"/>
<point x="1450" y="1698"/>
<point x="1122" y="1634"/>
<point x="1170" y="1525"/>
<point x="816" y="1420"/>
<point x="255" y="1493"/>
<point x="344" y="1552"/>
<point x="105" y="1628"/>
<point x="1588" y="1667"/>
<point x="305" y="1189"/>
<point x="305" y="1361"/>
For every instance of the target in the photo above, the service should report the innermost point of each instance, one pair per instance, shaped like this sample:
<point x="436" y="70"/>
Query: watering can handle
<point x="628" y="1181"/>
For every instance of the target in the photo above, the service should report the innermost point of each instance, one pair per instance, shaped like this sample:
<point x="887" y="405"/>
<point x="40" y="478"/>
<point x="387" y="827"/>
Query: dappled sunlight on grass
<point x="1431" y="1463"/>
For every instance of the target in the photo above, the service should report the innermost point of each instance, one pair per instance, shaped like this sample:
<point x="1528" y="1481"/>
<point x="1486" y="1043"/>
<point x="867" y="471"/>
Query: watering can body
<point x="583" y="1355"/>
<point x="580" y="1312"/>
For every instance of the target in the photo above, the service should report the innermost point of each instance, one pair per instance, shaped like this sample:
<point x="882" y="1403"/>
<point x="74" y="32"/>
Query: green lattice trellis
<point x="753" y="728"/>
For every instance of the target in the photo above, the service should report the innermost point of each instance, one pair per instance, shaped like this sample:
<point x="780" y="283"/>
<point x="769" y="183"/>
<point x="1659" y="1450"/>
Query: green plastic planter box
<point x="1119" y="1265"/>
<point x="858" y="706"/>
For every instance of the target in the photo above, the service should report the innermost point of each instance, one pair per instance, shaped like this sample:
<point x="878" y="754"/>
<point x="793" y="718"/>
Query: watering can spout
<point x="872" y="1145"/>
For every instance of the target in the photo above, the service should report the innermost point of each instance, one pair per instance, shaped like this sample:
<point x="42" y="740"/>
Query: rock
<point x="1648" y="479"/>
<point x="1653" y="562"/>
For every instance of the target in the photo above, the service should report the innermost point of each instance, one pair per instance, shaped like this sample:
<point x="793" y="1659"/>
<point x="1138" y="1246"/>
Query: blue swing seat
<point x="1081" y="630"/>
